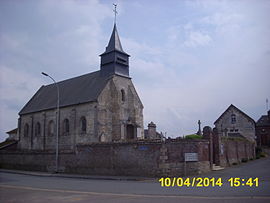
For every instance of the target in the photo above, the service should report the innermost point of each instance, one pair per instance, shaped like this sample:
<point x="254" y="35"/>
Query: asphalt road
<point x="29" y="188"/>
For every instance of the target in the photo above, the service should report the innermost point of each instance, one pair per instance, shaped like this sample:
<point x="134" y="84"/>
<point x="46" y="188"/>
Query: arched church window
<point x="51" y="128"/>
<point x="66" y="126"/>
<point x="37" y="129"/>
<point x="26" y="130"/>
<point x="123" y="96"/>
<point x="233" y="118"/>
<point x="83" y="124"/>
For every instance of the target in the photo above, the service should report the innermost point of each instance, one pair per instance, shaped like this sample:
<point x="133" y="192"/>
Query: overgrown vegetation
<point x="233" y="138"/>
<point x="193" y="136"/>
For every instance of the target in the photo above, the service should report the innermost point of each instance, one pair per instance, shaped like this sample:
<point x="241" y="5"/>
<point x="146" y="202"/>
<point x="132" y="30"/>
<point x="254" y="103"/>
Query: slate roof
<point x="114" y="43"/>
<point x="232" y="106"/>
<point x="12" y="131"/>
<point x="77" y="90"/>
<point x="263" y="121"/>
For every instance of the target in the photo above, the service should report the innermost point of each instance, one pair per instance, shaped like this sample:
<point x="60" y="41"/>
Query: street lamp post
<point x="57" y="123"/>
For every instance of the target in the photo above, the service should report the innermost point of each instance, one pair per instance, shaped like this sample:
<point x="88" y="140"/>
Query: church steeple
<point x="114" y="60"/>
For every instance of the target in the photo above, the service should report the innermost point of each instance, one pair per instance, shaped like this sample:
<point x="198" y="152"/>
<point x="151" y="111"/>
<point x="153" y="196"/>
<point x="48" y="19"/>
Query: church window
<point x="233" y="119"/>
<point x="66" y="126"/>
<point x="51" y="128"/>
<point x="123" y="95"/>
<point x="37" y="129"/>
<point x="83" y="124"/>
<point x="26" y="130"/>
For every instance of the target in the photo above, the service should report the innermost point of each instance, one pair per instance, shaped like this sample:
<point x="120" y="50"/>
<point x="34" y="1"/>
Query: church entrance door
<point x="130" y="132"/>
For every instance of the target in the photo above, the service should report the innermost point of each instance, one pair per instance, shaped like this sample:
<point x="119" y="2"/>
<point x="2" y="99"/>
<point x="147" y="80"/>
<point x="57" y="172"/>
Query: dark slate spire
<point x="114" y="60"/>
<point x="114" y="43"/>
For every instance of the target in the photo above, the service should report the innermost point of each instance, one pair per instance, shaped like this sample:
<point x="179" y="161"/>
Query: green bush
<point x="193" y="136"/>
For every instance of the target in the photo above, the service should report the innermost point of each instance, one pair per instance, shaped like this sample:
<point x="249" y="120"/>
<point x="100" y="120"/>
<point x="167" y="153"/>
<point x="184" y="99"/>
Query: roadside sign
<point x="191" y="156"/>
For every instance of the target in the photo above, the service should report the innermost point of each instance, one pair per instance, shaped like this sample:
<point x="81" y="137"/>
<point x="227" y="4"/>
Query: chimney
<point x="152" y="133"/>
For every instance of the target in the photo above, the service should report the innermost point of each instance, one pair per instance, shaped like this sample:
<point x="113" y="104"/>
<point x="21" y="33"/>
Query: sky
<point x="189" y="59"/>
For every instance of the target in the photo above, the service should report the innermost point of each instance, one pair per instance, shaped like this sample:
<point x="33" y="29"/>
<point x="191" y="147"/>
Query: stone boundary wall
<point x="134" y="158"/>
<point x="226" y="151"/>
<point x="235" y="151"/>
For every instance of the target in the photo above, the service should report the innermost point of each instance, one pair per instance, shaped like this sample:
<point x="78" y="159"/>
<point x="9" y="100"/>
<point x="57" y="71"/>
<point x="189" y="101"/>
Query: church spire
<point x="114" y="61"/>
<point x="114" y="43"/>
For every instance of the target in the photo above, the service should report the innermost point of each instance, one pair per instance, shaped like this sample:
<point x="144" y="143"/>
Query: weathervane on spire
<point x="115" y="12"/>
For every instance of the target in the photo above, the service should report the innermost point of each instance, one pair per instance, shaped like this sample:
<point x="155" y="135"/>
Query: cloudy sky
<point x="189" y="59"/>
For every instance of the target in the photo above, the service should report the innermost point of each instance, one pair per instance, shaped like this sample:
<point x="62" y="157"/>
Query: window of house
<point x="37" y="129"/>
<point x="83" y="124"/>
<point x="66" y="126"/>
<point x="233" y="119"/>
<point x="26" y="130"/>
<point x="123" y="95"/>
<point x="51" y="128"/>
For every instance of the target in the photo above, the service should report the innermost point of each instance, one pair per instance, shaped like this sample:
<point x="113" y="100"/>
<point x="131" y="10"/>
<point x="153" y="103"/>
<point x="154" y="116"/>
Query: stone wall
<point x="226" y="151"/>
<point x="133" y="158"/>
<point x="119" y="106"/>
<point x="44" y="141"/>
<point x="235" y="151"/>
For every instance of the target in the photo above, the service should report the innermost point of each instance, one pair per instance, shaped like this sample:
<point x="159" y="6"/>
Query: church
<point x="93" y="124"/>
<point x="102" y="106"/>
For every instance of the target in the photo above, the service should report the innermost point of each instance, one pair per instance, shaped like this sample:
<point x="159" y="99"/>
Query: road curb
<point x="62" y="175"/>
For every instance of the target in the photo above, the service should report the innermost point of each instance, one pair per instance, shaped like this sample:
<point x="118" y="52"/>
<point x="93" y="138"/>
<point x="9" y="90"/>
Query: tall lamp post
<point x="57" y="123"/>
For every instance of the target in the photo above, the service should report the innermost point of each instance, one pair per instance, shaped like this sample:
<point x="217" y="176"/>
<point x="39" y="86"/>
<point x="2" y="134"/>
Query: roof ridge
<point x="237" y="110"/>
<point x="71" y="78"/>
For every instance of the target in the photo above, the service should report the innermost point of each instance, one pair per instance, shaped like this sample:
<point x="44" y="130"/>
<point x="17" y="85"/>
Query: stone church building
<point x="102" y="106"/>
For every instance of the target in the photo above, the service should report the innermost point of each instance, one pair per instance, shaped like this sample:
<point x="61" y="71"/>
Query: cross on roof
<point x="115" y="12"/>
